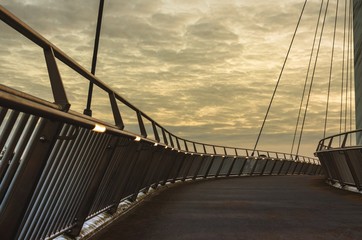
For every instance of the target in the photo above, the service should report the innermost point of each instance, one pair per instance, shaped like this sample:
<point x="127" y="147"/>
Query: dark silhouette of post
<point x="88" y="110"/>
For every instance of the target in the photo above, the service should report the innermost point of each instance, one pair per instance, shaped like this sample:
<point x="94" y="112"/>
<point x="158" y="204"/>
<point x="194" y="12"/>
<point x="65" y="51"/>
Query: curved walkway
<point x="289" y="207"/>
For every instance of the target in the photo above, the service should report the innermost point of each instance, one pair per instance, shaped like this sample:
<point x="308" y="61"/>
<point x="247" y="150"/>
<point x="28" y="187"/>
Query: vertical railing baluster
<point x="243" y="166"/>
<point x="209" y="167"/>
<point x="264" y="167"/>
<point x="11" y="160"/>
<point x="90" y="194"/>
<point x="199" y="167"/>
<point x="220" y="167"/>
<point x="275" y="163"/>
<point x="188" y="167"/>
<point x="28" y="174"/>
<point x="231" y="167"/>
<point x="169" y="165"/>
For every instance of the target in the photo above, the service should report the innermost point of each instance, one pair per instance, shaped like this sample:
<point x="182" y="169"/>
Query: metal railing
<point x="59" y="168"/>
<point x="341" y="158"/>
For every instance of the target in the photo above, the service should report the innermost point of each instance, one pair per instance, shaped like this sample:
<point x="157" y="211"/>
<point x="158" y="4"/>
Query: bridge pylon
<point x="357" y="31"/>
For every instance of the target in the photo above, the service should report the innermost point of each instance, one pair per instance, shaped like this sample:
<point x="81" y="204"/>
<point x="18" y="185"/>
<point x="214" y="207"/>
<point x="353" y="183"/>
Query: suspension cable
<point x="343" y="64"/>
<point x="306" y="78"/>
<point x="330" y="71"/>
<point x="279" y="78"/>
<point x="348" y="68"/>
<point x="351" y="70"/>
<point x="311" y="82"/>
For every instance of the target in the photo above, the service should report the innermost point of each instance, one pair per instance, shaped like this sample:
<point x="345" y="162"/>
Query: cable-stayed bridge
<point x="62" y="170"/>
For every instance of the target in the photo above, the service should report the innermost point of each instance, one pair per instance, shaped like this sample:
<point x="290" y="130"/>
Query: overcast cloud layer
<point x="204" y="69"/>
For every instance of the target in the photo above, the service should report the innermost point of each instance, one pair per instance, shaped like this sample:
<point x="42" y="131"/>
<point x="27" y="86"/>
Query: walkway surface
<point x="288" y="207"/>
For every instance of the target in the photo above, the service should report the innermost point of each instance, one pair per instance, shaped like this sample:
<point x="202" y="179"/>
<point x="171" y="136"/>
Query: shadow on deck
<point x="286" y="207"/>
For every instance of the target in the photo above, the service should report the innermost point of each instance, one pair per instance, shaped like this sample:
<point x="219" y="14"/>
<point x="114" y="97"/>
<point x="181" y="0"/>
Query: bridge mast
<point x="357" y="31"/>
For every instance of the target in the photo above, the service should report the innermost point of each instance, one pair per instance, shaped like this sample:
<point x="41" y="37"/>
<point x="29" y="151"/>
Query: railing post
<point x="353" y="171"/>
<point x="275" y="163"/>
<point x="186" y="147"/>
<point x="155" y="132"/>
<point x="115" y="110"/>
<point x="220" y="167"/>
<point x="178" y="143"/>
<point x="168" y="166"/>
<point x="141" y="124"/>
<point x="254" y="166"/>
<point x="264" y="167"/>
<point x="336" y="169"/>
<point x="31" y="168"/>
<point x="243" y="166"/>
<point x="231" y="167"/>
<point x="123" y="173"/>
<point x="189" y="167"/>
<point x="164" y="136"/>
<point x="135" y="172"/>
<point x="209" y="167"/>
<point x="171" y="141"/>
<point x="297" y="163"/>
<point x="282" y="166"/>
<point x="60" y="97"/>
<point x="155" y="169"/>
<point x="302" y="167"/>
<point x="91" y="192"/>
<point x="325" y="166"/>
<point x="199" y="167"/>
<point x="147" y="156"/>
<point x="182" y="162"/>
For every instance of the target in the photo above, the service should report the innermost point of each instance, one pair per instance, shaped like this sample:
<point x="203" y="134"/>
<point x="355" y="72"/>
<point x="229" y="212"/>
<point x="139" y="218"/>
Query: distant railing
<point x="59" y="168"/>
<point x="341" y="158"/>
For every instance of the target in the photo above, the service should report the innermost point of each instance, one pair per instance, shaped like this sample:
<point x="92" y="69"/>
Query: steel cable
<point x="279" y="78"/>
<point x="331" y="70"/>
<point x="343" y="65"/>
<point x="312" y="79"/>
<point x="348" y="70"/>
<point x="306" y="78"/>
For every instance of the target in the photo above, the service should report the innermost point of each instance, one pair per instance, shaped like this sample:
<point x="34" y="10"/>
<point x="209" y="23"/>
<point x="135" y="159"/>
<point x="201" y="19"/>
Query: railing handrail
<point x="323" y="147"/>
<point x="17" y="100"/>
<point x="35" y="37"/>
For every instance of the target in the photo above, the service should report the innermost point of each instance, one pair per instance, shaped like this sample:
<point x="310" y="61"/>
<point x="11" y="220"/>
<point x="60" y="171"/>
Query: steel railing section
<point x="161" y="135"/>
<point x="57" y="171"/>
<point x="74" y="173"/>
<point x="340" y="156"/>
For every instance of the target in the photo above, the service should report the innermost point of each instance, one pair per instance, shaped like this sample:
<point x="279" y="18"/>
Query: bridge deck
<point x="291" y="207"/>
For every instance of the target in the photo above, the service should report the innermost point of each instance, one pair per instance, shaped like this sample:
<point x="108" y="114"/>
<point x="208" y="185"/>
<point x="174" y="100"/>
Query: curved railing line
<point x="342" y="163"/>
<point x="326" y="143"/>
<point x="56" y="83"/>
<point x="35" y="37"/>
<point x="11" y="98"/>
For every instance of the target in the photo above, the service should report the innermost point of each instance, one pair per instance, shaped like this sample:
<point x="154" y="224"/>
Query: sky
<point x="203" y="69"/>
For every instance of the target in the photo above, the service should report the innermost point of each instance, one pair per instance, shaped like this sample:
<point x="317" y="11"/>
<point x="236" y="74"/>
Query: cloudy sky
<point x="204" y="69"/>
